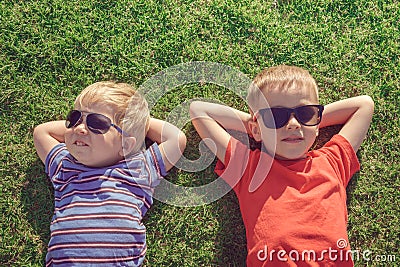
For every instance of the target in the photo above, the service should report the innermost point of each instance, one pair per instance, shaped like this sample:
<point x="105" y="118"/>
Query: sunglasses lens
<point x="308" y="115"/>
<point x="281" y="117"/>
<point x="72" y="118"/>
<point x="97" y="123"/>
<point x="274" y="118"/>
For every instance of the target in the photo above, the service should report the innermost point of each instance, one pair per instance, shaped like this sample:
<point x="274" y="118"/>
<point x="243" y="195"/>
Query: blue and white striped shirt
<point x="98" y="211"/>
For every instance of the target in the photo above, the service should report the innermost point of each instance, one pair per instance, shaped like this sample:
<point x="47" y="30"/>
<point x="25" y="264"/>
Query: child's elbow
<point x="38" y="131"/>
<point x="195" y="108"/>
<point x="367" y="103"/>
<point x="182" y="141"/>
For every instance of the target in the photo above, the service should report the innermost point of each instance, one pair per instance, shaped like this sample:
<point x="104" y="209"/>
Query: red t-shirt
<point x="297" y="216"/>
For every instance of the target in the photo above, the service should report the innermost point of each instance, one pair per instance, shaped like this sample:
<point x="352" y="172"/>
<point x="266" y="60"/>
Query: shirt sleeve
<point x="157" y="160"/>
<point x="342" y="157"/>
<point x="54" y="160"/>
<point x="236" y="159"/>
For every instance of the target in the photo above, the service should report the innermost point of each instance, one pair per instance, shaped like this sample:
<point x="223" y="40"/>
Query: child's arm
<point x="356" y="115"/>
<point x="48" y="135"/>
<point x="211" y="120"/>
<point x="171" y="140"/>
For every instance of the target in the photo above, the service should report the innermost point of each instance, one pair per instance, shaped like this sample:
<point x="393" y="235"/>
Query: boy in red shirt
<point x="292" y="200"/>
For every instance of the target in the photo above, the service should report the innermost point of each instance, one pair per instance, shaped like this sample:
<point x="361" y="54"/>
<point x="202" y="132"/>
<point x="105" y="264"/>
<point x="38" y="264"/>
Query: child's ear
<point x="255" y="130"/>
<point x="128" y="143"/>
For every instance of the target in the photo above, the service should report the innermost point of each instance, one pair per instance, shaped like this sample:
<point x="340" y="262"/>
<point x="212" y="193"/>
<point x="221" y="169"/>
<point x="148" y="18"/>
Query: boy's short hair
<point x="280" y="78"/>
<point x="130" y="108"/>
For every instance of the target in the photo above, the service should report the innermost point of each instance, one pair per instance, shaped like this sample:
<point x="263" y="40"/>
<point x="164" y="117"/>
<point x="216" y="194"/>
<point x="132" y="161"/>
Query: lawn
<point x="51" y="50"/>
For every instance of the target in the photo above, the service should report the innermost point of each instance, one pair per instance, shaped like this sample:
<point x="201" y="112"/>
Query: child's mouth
<point x="294" y="139"/>
<point x="79" y="143"/>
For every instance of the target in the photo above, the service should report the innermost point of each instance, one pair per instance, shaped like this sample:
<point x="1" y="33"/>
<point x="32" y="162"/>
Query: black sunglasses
<point x="96" y="123"/>
<point x="275" y="118"/>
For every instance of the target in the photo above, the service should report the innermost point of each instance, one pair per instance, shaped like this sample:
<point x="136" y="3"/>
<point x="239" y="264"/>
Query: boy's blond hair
<point x="130" y="108"/>
<point x="281" y="78"/>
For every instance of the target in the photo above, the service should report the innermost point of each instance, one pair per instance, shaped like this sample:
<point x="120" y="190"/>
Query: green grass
<point x="51" y="50"/>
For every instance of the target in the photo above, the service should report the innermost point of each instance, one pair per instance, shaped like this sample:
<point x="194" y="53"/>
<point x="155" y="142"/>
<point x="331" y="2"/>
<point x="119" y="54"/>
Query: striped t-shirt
<point x="98" y="211"/>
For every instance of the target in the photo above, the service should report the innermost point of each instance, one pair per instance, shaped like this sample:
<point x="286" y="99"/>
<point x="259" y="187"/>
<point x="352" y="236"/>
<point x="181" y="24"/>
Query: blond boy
<point x="296" y="214"/>
<point x="103" y="177"/>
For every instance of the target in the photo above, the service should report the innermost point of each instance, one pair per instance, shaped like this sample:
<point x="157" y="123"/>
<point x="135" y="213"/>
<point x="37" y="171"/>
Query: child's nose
<point x="293" y="123"/>
<point x="81" y="127"/>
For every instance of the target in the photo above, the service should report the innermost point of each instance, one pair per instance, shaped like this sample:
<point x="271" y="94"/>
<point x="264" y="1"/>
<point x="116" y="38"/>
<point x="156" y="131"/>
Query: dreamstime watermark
<point x="339" y="253"/>
<point x="171" y="78"/>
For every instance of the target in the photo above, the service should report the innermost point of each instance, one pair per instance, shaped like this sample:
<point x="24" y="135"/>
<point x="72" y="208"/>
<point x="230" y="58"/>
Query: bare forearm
<point x="160" y="131"/>
<point x="211" y="120"/>
<point x="171" y="140"/>
<point x="332" y="116"/>
<point x="227" y="117"/>
<point x="341" y="111"/>
<point x="55" y="129"/>
<point x="356" y="115"/>
<point x="47" y="135"/>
